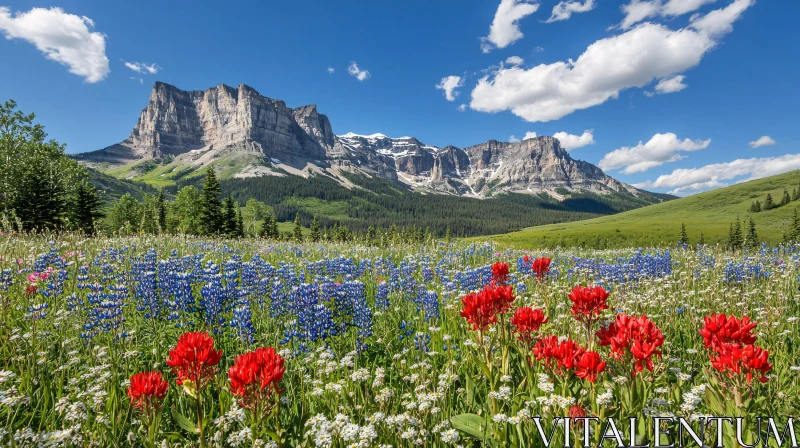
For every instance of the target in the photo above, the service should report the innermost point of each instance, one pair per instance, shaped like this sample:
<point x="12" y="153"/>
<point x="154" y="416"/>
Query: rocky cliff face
<point x="261" y="136"/>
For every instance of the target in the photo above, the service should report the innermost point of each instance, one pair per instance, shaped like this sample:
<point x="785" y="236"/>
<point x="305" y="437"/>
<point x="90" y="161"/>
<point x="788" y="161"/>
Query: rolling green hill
<point x="711" y="213"/>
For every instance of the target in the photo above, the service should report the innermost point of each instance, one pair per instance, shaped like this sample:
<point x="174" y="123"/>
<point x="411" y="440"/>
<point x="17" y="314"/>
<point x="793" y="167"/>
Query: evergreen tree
<point x="752" y="235"/>
<point x="315" y="233"/>
<point x="162" y="211"/>
<point x="448" y="236"/>
<point x="793" y="235"/>
<point x="756" y="206"/>
<point x="266" y="229"/>
<point x="736" y="239"/>
<point x="786" y="198"/>
<point x="239" y="223"/>
<point x="794" y="194"/>
<point x="86" y="209"/>
<point x="229" y="217"/>
<point x="684" y="236"/>
<point x="297" y="232"/>
<point x="768" y="204"/>
<point x="211" y="218"/>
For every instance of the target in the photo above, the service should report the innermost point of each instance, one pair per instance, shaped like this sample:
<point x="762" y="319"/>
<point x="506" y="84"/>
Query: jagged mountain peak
<point x="253" y="135"/>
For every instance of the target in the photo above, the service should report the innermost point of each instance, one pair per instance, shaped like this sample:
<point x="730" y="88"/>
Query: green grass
<point x="711" y="213"/>
<point x="169" y="174"/>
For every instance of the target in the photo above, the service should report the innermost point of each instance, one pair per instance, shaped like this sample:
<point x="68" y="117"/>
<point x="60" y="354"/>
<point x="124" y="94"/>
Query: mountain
<point x="244" y="134"/>
<point x="711" y="213"/>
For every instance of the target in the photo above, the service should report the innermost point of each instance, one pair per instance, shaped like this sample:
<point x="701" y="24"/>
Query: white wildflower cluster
<point x="325" y="433"/>
<point x="605" y="398"/>
<point x="555" y="401"/>
<point x="692" y="398"/>
<point x="544" y="384"/>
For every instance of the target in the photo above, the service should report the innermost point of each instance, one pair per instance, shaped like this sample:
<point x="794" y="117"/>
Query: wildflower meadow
<point x="164" y="341"/>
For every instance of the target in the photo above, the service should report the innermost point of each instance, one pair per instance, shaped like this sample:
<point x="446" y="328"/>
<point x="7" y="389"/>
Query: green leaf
<point x="184" y="422"/>
<point x="470" y="424"/>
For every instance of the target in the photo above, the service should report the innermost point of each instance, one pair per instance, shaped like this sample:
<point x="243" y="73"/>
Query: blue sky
<point x="726" y="71"/>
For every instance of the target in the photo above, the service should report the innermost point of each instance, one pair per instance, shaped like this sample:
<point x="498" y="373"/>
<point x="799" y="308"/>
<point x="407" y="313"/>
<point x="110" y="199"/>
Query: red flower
<point x="527" y="320"/>
<point x="588" y="301"/>
<point x="481" y="308"/>
<point x="499" y="272"/>
<point x="720" y="331"/>
<point x="546" y="349"/>
<point x="193" y="359"/>
<point x="541" y="266"/>
<point x="147" y="391"/>
<point x="750" y="360"/>
<point x="589" y="366"/>
<point x="637" y="336"/>
<point x="254" y="376"/>
<point x="576" y="412"/>
<point x="30" y="289"/>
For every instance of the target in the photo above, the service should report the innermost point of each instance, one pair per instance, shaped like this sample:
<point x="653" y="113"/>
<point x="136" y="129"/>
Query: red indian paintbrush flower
<point x="194" y="359"/>
<point x="638" y="337"/>
<point x="720" y="330"/>
<point x="254" y="376"/>
<point x="499" y="272"/>
<point x="588" y="302"/>
<point x="558" y="355"/>
<point x="546" y="349"/>
<point x="147" y="391"/>
<point x="482" y="308"/>
<point x="589" y="366"/>
<point x="749" y="360"/>
<point x="527" y="320"/>
<point x="541" y="266"/>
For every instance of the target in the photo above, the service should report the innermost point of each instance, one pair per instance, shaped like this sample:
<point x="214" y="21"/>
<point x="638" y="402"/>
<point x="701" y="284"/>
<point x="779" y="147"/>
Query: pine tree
<point x="448" y="236"/>
<point x="786" y="198"/>
<point x="753" y="207"/>
<point x="794" y="194"/>
<point x="793" y="235"/>
<point x="211" y="218"/>
<point x="757" y="206"/>
<point x="752" y="235"/>
<point x="315" y="233"/>
<point x="239" y="223"/>
<point x="736" y="240"/>
<point x="684" y="236"/>
<point x="702" y="241"/>
<point x="86" y="209"/>
<point x="297" y="232"/>
<point x="768" y="204"/>
<point x="162" y="211"/>
<point x="229" y="217"/>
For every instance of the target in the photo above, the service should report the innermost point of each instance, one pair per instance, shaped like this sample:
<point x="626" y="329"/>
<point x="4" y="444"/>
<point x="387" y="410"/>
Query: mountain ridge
<point x="180" y="133"/>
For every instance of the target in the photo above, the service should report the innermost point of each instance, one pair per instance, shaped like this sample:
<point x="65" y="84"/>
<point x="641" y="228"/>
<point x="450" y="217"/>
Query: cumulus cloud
<point x="763" y="141"/>
<point x="711" y="176"/>
<point x="462" y="108"/>
<point x="529" y="135"/>
<point x="514" y="60"/>
<point x="64" y="38"/>
<point x="631" y="59"/>
<point x="564" y="9"/>
<point x="331" y="70"/>
<point x="504" y="29"/>
<point x="571" y="141"/>
<point x="140" y="67"/>
<point x="671" y="85"/>
<point x="449" y="84"/>
<point x="639" y="10"/>
<point x="513" y="139"/>
<point x="360" y="74"/>
<point x="660" y="149"/>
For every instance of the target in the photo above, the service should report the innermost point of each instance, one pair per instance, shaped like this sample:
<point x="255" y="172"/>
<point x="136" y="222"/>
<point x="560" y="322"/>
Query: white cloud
<point x="720" y="21"/>
<point x="354" y="70"/>
<point x="639" y="10"/>
<point x="513" y="139"/>
<point x="564" y="9"/>
<point x="331" y="70"/>
<point x="462" y="108"/>
<point x="698" y="187"/>
<point x="631" y="59"/>
<point x="671" y="85"/>
<point x="660" y="149"/>
<point x="449" y="84"/>
<point x="141" y="81"/>
<point x="515" y="60"/>
<point x="763" y="141"/>
<point x="529" y="135"/>
<point x="570" y="141"/>
<point x="710" y="176"/>
<point x="140" y="67"/>
<point x="64" y="38"/>
<point x="504" y="29"/>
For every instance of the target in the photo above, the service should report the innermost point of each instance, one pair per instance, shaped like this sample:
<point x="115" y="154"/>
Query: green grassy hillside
<point x="711" y="213"/>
